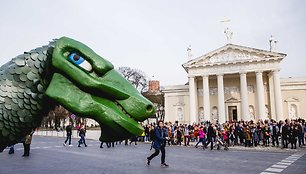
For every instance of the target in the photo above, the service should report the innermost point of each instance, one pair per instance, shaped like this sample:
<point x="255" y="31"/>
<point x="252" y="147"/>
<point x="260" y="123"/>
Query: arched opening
<point x="180" y="114"/>
<point x="214" y="113"/>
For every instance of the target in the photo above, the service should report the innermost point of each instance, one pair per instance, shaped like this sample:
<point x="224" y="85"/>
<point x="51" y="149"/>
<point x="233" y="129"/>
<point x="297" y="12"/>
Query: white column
<point x="277" y="96"/>
<point x="260" y="96"/>
<point x="192" y="100"/>
<point x="221" y="104"/>
<point x="244" y="97"/>
<point x="206" y="99"/>
<point x="271" y="95"/>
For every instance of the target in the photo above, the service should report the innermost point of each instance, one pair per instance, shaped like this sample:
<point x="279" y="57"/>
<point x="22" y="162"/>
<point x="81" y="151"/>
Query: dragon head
<point x="87" y="85"/>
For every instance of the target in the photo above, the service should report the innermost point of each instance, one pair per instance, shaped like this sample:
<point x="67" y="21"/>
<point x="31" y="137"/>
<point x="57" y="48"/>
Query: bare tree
<point x="136" y="77"/>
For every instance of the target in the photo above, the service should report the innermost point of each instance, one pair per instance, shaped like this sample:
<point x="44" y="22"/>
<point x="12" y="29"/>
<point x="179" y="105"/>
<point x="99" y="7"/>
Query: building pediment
<point x="232" y="100"/>
<point x="233" y="54"/>
<point x="292" y="99"/>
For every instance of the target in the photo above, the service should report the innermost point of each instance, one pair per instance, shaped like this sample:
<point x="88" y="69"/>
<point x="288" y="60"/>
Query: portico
<point x="234" y="82"/>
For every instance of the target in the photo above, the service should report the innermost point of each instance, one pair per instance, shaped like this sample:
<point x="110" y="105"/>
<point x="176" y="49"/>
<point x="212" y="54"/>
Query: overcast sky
<point x="153" y="35"/>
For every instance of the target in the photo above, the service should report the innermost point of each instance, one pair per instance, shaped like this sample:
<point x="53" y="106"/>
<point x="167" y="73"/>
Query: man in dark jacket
<point x="159" y="143"/>
<point x="285" y="134"/>
<point x="210" y="135"/>
<point x="69" y="133"/>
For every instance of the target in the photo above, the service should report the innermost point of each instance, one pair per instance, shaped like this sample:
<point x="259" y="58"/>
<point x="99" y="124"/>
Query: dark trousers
<point x="11" y="151"/>
<point x="201" y="140"/>
<point x="210" y="140"/>
<point x="82" y="140"/>
<point x="301" y="139"/>
<point x="68" y="138"/>
<point x="293" y="143"/>
<point x="285" y="142"/>
<point x="247" y="143"/>
<point x="275" y="139"/>
<point x="179" y="141"/>
<point x="163" y="156"/>
<point x="26" y="148"/>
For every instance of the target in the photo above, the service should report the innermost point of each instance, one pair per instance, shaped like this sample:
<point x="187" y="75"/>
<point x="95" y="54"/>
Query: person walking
<point x="26" y="144"/>
<point x="293" y="135"/>
<point x="11" y="151"/>
<point x="275" y="134"/>
<point x="68" y="133"/>
<point x="186" y="135"/>
<point x="201" y="138"/>
<point x="178" y="136"/>
<point x="247" y="133"/>
<point x="285" y="134"/>
<point x="82" y="134"/>
<point x="159" y="144"/>
<point x="210" y="136"/>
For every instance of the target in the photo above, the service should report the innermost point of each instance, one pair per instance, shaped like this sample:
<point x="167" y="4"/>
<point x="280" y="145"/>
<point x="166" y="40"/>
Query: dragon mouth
<point x="125" y="112"/>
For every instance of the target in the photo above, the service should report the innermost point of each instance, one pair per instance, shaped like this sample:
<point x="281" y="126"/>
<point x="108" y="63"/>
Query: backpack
<point x="152" y="135"/>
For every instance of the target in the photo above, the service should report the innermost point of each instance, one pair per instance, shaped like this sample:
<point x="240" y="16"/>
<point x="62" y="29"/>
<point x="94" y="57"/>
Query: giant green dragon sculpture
<point x="68" y="73"/>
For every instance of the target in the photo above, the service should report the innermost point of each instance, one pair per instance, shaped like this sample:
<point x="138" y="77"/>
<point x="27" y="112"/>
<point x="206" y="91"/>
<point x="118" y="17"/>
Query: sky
<point x="153" y="35"/>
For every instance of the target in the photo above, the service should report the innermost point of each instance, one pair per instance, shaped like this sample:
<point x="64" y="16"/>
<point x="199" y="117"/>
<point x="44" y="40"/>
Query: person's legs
<point x="210" y="140"/>
<point x="153" y="155"/>
<point x="188" y="140"/>
<point x="163" y="156"/>
<point x="69" y="139"/>
<point x="277" y="141"/>
<point x="28" y="149"/>
<point x="204" y="143"/>
<point x="24" y="149"/>
<point x="198" y="143"/>
<point x="66" y="141"/>
<point x="273" y="140"/>
<point x="83" y="139"/>
<point x="300" y="140"/>
<point x="11" y="151"/>
<point x="80" y="142"/>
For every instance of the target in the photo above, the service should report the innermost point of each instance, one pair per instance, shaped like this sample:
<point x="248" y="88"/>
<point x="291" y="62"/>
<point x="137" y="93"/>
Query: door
<point x="232" y="112"/>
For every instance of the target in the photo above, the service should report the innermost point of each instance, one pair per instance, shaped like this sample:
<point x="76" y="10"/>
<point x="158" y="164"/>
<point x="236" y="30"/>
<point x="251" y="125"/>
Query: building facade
<point x="235" y="83"/>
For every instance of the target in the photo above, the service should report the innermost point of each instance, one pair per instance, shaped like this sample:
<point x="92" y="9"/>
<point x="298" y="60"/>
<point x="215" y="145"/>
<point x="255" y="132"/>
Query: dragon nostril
<point x="149" y="108"/>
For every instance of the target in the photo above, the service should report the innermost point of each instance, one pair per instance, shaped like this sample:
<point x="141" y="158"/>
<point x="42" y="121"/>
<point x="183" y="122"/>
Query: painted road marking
<point x="274" y="169"/>
<point x="279" y="166"/>
<point x="283" y="164"/>
<point x="280" y="163"/>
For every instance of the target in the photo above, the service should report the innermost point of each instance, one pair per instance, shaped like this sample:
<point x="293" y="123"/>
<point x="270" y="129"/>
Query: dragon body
<point x="68" y="73"/>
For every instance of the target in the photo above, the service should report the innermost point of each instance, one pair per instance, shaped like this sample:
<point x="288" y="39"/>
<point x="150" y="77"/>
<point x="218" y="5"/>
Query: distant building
<point x="154" y="86"/>
<point x="235" y="83"/>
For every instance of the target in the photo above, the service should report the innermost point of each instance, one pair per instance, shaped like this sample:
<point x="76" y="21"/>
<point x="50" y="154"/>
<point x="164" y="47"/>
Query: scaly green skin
<point x="32" y="83"/>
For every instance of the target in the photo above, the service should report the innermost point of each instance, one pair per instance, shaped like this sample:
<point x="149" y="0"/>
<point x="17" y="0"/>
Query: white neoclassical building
<point x="235" y="82"/>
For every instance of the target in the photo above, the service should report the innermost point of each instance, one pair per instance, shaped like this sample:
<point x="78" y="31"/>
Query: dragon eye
<point x="80" y="61"/>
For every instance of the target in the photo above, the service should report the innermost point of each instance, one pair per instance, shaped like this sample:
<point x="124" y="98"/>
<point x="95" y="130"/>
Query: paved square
<point x="49" y="156"/>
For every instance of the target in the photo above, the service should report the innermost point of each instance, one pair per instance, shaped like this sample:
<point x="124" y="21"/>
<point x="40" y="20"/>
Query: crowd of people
<point x="282" y="134"/>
